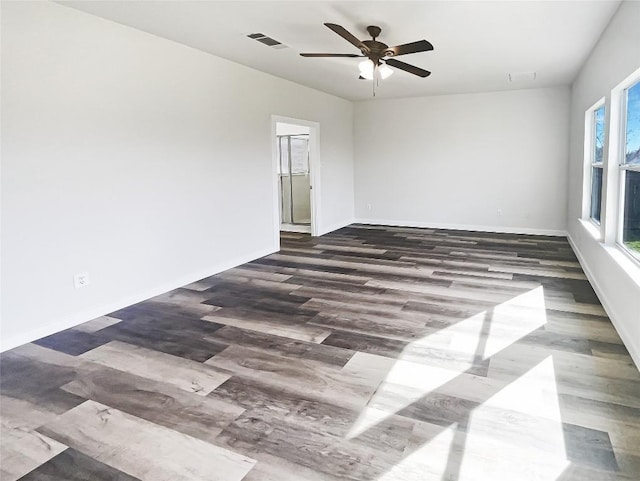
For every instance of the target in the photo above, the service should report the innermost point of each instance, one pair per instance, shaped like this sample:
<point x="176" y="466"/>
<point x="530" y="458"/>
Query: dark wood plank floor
<point x="371" y="353"/>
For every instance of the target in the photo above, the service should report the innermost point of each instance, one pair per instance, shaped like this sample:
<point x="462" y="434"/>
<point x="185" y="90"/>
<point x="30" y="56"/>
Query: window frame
<point x="622" y="167"/>
<point x="590" y="162"/>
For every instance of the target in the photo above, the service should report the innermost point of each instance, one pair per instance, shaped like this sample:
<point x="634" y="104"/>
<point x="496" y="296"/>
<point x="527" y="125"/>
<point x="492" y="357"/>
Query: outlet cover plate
<point x="81" y="280"/>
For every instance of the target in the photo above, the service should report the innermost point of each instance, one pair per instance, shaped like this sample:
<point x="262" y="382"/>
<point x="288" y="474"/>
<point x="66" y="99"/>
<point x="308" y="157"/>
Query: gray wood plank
<point x="161" y="403"/>
<point x="72" y="465"/>
<point x="188" y="375"/>
<point x="144" y="449"/>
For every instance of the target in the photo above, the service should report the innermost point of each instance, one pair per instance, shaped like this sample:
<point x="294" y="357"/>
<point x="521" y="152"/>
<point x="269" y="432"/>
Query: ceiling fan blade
<point x="413" y="47"/>
<point x="330" y="55"/>
<point x="347" y="36"/>
<point x="408" y="68"/>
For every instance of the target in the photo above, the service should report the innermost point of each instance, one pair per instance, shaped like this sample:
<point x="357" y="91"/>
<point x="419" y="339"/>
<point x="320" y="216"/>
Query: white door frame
<point x="314" y="175"/>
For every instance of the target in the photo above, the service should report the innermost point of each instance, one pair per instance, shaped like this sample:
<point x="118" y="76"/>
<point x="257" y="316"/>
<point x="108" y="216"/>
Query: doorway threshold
<point x="304" y="229"/>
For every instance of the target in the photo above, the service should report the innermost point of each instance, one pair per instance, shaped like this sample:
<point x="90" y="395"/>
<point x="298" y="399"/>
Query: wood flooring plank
<point x="72" y="341"/>
<point x="273" y="468"/>
<point x="545" y="271"/>
<point x="400" y="329"/>
<point x="601" y="331"/>
<point x="158" y="402"/>
<point x="623" y="392"/>
<point x="330" y="305"/>
<point x="167" y="314"/>
<point x="23" y="450"/>
<point x="363" y="426"/>
<point x="336" y="456"/>
<point x="37" y="382"/>
<point x="182" y="296"/>
<point x="309" y="274"/>
<point x="97" y="324"/>
<point x="283" y="346"/>
<point x="253" y="274"/>
<point x="336" y="293"/>
<point x="72" y="465"/>
<point x="597" y="414"/>
<point x="170" y="336"/>
<point x="188" y="375"/>
<point x="24" y="414"/>
<point x="566" y="364"/>
<point x="143" y="449"/>
<point x="296" y="317"/>
<point x="436" y="454"/>
<point x="422" y="352"/>
<point x="357" y="265"/>
<point x="589" y="447"/>
<point x="304" y="377"/>
<point x="348" y="248"/>
<point x="243" y="281"/>
<point x="300" y="332"/>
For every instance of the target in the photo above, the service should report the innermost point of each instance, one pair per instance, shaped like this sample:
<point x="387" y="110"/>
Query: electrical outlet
<point x="499" y="212"/>
<point x="81" y="280"/>
<point x="368" y="206"/>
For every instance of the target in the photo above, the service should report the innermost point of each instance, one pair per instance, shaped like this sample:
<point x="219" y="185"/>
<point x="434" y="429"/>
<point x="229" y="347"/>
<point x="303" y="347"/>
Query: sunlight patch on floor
<point x="425" y="462"/>
<point x="523" y="402"/>
<point x="477" y="337"/>
<point x="401" y="383"/>
<point x="530" y="442"/>
<point x="461" y="339"/>
<point x="514" y="319"/>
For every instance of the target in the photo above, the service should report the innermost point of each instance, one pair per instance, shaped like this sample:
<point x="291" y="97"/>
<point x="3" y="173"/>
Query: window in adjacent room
<point x="630" y="172"/>
<point x="597" y="157"/>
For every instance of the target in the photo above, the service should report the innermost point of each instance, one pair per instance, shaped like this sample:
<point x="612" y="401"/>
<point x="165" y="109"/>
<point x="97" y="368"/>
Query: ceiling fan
<point x="379" y="54"/>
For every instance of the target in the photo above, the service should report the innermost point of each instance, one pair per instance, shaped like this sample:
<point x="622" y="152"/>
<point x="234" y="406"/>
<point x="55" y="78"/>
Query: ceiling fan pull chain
<point x="375" y="78"/>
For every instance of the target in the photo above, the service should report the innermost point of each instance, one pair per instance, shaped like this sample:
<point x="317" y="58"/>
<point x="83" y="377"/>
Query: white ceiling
<point x="477" y="43"/>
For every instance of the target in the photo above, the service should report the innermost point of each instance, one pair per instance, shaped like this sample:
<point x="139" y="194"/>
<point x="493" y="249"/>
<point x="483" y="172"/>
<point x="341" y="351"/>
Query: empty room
<point x="320" y="240"/>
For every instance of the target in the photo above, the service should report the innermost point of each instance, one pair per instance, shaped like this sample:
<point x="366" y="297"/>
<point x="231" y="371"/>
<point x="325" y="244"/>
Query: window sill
<point x="592" y="228"/>
<point x="623" y="259"/>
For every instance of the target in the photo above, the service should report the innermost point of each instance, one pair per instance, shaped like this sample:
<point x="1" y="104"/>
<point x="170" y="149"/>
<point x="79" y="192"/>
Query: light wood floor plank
<point x="187" y="375"/>
<point x="144" y="449"/>
<point x="23" y="449"/>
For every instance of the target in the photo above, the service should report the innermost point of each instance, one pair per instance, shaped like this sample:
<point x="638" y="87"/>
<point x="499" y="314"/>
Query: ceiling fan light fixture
<point x="385" y="71"/>
<point x="367" y="70"/>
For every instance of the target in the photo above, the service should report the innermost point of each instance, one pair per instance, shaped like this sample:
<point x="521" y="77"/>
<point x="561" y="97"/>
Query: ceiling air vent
<point x="522" y="76"/>
<point x="268" y="41"/>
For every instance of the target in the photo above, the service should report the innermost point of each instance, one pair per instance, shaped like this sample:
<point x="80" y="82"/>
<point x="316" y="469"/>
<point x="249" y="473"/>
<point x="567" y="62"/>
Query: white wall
<point x="141" y="161"/>
<point x="456" y="160"/>
<point x="615" y="57"/>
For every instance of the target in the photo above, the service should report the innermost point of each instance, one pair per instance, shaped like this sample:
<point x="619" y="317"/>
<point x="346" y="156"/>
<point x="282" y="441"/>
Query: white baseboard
<point x="476" y="228"/>
<point x="632" y="344"/>
<point x="75" y="319"/>
<point x="336" y="226"/>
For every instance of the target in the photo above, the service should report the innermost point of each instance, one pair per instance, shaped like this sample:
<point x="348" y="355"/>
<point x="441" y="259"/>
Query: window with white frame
<point x="596" y="155"/>
<point x="629" y="230"/>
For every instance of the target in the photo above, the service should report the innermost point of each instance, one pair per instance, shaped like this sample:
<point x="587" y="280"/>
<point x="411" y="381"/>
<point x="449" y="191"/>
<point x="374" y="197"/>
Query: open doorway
<point x="296" y="167"/>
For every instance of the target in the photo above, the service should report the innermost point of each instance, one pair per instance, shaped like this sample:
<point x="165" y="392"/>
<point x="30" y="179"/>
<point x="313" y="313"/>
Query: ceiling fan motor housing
<point x="377" y="50"/>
